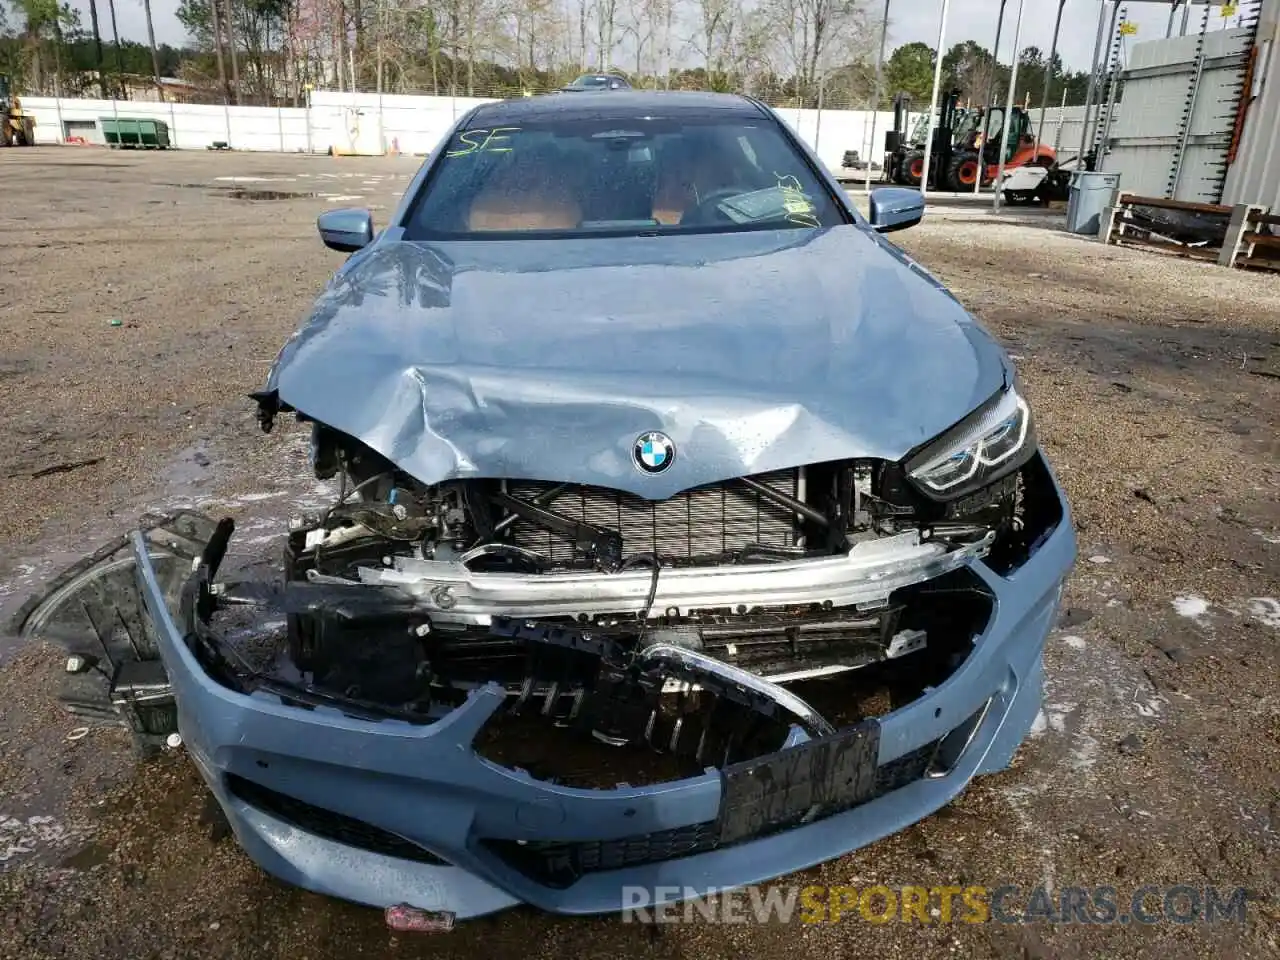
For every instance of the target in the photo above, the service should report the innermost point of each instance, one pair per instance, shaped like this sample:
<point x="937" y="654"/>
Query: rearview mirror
<point x="346" y="230"/>
<point x="896" y="208"/>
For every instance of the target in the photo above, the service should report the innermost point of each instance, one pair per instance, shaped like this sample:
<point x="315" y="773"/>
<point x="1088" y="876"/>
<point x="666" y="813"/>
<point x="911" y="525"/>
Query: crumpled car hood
<point x="546" y="359"/>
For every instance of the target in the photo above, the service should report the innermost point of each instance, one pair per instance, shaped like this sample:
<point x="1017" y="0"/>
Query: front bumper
<point x="388" y="812"/>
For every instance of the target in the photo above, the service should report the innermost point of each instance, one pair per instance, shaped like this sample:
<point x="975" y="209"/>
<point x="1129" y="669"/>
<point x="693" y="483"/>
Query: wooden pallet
<point x="1251" y="232"/>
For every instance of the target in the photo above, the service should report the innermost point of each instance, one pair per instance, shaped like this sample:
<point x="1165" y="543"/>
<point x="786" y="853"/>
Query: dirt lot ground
<point x="1157" y="758"/>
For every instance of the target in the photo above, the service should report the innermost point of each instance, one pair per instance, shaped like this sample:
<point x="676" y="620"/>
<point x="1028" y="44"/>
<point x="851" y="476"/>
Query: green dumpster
<point x="135" y="132"/>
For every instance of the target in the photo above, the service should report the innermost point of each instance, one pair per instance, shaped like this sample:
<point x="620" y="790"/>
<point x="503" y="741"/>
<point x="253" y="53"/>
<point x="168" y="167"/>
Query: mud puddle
<point x="242" y="194"/>
<point x="236" y="192"/>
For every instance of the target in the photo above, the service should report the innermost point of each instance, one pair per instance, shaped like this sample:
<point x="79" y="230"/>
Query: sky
<point x="909" y="20"/>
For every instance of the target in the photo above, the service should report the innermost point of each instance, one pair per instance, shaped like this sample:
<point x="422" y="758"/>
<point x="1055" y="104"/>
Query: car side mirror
<point x="896" y="208"/>
<point x="346" y="230"/>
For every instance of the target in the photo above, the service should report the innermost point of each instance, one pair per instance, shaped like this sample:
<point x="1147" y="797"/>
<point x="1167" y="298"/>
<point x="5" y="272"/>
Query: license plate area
<point x="816" y="779"/>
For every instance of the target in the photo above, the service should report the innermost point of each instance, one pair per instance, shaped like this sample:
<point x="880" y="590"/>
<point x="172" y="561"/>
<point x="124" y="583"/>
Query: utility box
<point x="135" y="132"/>
<point x="1087" y="199"/>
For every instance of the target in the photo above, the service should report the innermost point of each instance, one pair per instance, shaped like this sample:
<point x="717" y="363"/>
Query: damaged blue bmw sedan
<point x="687" y="534"/>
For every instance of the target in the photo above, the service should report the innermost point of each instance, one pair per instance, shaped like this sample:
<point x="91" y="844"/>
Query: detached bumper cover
<point x="389" y="812"/>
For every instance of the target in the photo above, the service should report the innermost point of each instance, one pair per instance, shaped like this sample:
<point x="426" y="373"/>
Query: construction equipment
<point x="904" y="153"/>
<point x="17" y="128"/>
<point x="1042" y="184"/>
<point x="966" y="145"/>
<point x="976" y="150"/>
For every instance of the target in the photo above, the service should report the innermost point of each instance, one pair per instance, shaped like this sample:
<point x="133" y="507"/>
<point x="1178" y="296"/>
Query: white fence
<point x="366" y="123"/>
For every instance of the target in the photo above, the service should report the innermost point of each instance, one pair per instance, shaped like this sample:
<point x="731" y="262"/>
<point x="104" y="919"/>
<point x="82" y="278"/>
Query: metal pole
<point x="1062" y="111"/>
<point x="1186" y="18"/>
<point x="1048" y="71"/>
<point x="991" y="87"/>
<point x="817" y="128"/>
<point x="1191" y="111"/>
<point x="933" y="99"/>
<point x="1173" y="12"/>
<point x="1104" y="69"/>
<point x="1093" y="79"/>
<point x="1008" y="106"/>
<point x="995" y="56"/>
<point x="875" y="103"/>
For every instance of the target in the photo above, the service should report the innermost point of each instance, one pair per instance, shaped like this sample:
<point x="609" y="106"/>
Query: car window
<point x="560" y="178"/>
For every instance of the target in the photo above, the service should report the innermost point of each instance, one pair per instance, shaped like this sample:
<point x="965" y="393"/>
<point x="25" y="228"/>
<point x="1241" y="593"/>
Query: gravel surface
<point x="1156" y="383"/>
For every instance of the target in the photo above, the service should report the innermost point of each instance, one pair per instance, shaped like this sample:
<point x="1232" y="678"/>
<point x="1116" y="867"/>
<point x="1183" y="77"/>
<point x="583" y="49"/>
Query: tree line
<point x="791" y="53"/>
<point x="972" y="69"/>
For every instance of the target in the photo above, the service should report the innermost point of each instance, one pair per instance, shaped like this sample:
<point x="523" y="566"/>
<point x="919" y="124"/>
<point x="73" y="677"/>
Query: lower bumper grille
<point x="558" y="865"/>
<point x="333" y="826"/>
<point x="704" y="522"/>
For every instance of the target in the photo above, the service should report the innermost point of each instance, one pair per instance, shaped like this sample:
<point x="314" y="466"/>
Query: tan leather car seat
<point x="524" y="197"/>
<point x="674" y="192"/>
<point x="683" y="179"/>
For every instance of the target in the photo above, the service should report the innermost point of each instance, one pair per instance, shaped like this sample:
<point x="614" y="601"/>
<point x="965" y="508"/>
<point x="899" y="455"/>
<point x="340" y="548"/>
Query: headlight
<point x="994" y="440"/>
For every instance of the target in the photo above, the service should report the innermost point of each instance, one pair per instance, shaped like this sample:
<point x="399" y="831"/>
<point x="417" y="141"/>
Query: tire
<point x="963" y="172"/>
<point x="911" y="171"/>
<point x="894" y="171"/>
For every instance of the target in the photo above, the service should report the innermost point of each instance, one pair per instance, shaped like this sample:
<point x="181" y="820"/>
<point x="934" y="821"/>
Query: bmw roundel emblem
<point x="654" y="452"/>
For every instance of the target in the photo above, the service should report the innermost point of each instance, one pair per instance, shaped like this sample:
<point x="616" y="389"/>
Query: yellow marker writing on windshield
<point x="491" y="143"/>
<point x="799" y="208"/>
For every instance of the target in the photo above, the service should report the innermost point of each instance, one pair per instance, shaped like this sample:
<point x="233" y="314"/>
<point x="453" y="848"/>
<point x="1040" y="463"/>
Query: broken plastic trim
<point x="693" y="663"/>
<point x="868" y="573"/>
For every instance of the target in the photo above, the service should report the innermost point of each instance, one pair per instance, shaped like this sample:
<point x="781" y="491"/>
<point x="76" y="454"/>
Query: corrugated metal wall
<point x="1254" y="177"/>
<point x="1061" y="129"/>
<point x="1148" y="128"/>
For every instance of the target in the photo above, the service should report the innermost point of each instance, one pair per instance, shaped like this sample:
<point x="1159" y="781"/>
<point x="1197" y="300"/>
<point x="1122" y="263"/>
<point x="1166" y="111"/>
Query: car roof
<point x="616" y="105"/>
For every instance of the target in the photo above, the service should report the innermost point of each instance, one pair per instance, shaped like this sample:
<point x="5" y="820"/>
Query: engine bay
<point x="364" y="621"/>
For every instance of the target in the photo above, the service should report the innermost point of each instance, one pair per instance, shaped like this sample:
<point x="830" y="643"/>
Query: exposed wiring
<point x="656" y="562"/>
<point x="346" y="495"/>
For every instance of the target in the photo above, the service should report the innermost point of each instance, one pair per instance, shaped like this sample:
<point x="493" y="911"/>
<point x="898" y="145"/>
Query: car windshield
<point x="591" y="82"/>
<point x="562" y="178"/>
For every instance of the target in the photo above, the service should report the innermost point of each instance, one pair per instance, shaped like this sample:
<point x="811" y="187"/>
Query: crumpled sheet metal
<point x="546" y="360"/>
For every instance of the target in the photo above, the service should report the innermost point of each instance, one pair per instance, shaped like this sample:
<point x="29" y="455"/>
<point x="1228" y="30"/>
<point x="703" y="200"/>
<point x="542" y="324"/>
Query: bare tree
<point x="715" y="22"/>
<point x="217" y="49"/>
<point x="97" y="47"/>
<point x="606" y="23"/>
<point x="151" y="41"/>
<point x="818" y="35"/>
<point x="645" y="19"/>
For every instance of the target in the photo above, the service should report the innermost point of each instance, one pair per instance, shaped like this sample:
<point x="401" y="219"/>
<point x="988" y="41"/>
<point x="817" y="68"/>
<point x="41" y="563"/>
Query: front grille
<point x="558" y="865"/>
<point x="333" y="826"/>
<point x="703" y="522"/>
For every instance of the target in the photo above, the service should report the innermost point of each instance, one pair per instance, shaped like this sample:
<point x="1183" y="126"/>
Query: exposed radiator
<point x="707" y="521"/>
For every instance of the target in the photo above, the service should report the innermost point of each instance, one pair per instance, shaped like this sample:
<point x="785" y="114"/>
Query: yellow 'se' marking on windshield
<point x="489" y="144"/>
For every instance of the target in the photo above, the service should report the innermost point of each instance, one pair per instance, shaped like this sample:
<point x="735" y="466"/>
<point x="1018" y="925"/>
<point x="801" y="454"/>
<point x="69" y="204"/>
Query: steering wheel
<point x="706" y="212"/>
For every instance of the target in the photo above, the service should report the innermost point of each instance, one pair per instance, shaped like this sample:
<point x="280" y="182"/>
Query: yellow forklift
<point x="17" y="129"/>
